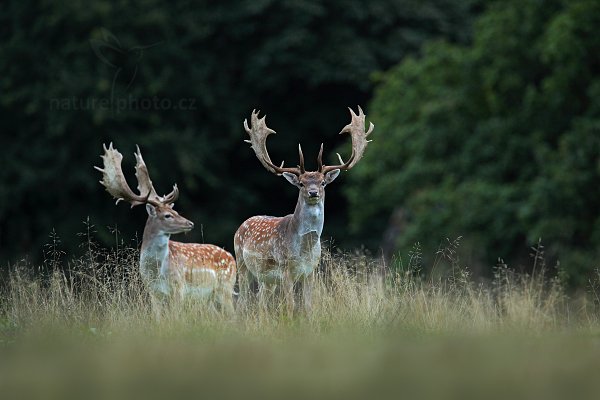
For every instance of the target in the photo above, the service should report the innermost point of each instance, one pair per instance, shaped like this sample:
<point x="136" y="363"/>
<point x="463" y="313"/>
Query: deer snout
<point x="313" y="193"/>
<point x="190" y="224"/>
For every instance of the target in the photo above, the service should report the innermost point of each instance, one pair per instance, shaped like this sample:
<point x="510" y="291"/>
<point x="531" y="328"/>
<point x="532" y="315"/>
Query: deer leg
<point x="246" y="283"/>
<point x="160" y="305"/>
<point x="305" y="289"/>
<point x="288" y="292"/>
<point x="224" y="296"/>
<point x="266" y="293"/>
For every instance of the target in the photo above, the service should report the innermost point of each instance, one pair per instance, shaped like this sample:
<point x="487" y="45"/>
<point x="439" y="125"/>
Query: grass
<point x="86" y="329"/>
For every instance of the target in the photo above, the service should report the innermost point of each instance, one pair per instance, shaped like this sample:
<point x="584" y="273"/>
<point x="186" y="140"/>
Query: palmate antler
<point x="145" y="183"/>
<point x="258" y="140"/>
<point x="115" y="183"/>
<point x="356" y="128"/>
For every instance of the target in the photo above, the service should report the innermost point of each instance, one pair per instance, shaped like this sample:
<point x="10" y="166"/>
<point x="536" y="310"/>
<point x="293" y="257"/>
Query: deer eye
<point x="301" y="184"/>
<point x="168" y="216"/>
<point x="323" y="183"/>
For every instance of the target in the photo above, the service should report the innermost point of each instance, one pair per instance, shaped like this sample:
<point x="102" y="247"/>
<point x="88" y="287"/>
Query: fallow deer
<point x="169" y="268"/>
<point x="287" y="249"/>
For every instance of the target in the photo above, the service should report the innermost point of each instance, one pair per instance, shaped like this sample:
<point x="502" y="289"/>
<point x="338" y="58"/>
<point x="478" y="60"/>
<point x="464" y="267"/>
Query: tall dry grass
<point x="89" y="323"/>
<point x="101" y="293"/>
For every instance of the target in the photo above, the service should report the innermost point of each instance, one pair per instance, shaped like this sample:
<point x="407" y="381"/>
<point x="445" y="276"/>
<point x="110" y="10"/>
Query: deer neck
<point x="154" y="254"/>
<point x="308" y="218"/>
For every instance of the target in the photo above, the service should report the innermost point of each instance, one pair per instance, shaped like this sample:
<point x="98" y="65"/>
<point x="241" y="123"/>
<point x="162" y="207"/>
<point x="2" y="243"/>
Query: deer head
<point x="311" y="184"/>
<point x="160" y="208"/>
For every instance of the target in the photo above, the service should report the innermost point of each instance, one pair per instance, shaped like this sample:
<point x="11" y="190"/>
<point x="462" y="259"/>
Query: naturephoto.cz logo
<point x="118" y="104"/>
<point x="123" y="64"/>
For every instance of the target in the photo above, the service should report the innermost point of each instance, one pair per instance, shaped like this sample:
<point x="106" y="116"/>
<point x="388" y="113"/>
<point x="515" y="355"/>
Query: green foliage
<point x="498" y="141"/>
<point x="302" y="62"/>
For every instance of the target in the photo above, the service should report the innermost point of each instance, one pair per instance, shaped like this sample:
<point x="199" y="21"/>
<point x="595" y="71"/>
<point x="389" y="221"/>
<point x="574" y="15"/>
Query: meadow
<point x="85" y="328"/>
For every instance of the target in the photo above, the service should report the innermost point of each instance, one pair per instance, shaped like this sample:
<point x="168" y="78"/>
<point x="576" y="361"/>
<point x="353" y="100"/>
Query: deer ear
<point x="151" y="210"/>
<point x="331" y="175"/>
<point x="292" y="178"/>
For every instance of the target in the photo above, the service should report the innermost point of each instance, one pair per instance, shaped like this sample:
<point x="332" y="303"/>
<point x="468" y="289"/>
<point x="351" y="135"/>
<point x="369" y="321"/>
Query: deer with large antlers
<point x="169" y="268"/>
<point x="286" y="250"/>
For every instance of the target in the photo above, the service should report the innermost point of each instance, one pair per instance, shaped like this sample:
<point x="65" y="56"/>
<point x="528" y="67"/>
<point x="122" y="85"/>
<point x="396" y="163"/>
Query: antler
<point x="145" y="183"/>
<point x="143" y="176"/>
<point x="258" y="140"/>
<point x="356" y="128"/>
<point x="115" y="183"/>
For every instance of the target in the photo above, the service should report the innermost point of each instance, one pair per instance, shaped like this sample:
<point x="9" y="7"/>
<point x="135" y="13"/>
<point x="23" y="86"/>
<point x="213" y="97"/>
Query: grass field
<point x="86" y="329"/>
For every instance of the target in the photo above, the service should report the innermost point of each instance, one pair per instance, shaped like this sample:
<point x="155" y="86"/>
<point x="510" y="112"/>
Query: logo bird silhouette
<point x="124" y="61"/>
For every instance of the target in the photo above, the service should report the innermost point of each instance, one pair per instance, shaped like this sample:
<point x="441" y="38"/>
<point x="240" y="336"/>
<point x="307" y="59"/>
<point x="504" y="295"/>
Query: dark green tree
<point x="178" y="78"/>
<point x="498" y="141"/>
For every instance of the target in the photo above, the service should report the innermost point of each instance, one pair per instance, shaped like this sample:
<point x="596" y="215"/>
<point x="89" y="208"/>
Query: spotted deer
<point x="169" y="268"/>
<point x="287" y="250"/>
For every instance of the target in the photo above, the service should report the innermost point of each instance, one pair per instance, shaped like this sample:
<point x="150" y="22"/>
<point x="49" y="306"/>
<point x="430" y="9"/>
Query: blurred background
<point x="486" y="113"/>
